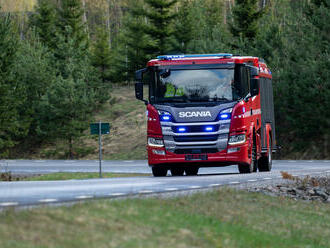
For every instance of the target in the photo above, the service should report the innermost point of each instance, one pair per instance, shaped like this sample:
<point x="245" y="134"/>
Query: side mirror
<point x="139" y="91"/>
<point x="139" y="74"/>
<point x="254" y="87"/>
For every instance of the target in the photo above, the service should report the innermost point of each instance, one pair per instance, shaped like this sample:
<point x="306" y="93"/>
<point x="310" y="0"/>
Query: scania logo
<point x="195" y="114"/>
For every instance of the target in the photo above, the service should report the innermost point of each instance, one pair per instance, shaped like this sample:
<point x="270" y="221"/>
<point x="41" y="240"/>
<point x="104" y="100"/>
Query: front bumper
<point x="222" y="158"/>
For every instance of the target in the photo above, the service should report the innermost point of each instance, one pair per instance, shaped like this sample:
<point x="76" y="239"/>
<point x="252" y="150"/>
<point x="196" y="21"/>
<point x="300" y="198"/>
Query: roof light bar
<point x="170" y="57"/>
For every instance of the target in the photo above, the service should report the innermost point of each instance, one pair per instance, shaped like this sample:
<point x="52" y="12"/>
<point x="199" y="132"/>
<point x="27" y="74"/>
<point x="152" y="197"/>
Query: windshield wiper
<point x="219" y="99"/>
<point x="179" y="99"/>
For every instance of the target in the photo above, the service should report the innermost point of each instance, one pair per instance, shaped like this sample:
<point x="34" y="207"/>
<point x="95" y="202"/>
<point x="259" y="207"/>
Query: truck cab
<point x="208" y="110"/>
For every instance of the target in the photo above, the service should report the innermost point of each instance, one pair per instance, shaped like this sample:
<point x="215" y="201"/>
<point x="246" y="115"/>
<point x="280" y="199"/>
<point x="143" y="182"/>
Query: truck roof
<point x="220" y="58"/>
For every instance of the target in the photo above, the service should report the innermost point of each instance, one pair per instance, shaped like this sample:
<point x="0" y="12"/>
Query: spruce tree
<point x="101" y="60"/>
<point x="44" y="22"/>
<point x="160" y="15"/>
<point x="131" y="50"/>
<point x="184" y="26"/>
<point x="101" y="55"/>
<point x="70" y="14"/>
<point x="246" y="17"/>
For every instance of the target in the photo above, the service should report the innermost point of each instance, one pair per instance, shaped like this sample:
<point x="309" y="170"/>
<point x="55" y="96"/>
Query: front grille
<point x="196" y="129"/>
<point x="196" y="151"/>
<point x="195" y="138"/>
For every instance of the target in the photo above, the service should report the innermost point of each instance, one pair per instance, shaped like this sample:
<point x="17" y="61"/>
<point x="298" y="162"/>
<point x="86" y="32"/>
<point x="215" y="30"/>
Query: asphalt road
<point x="46" y="192"/>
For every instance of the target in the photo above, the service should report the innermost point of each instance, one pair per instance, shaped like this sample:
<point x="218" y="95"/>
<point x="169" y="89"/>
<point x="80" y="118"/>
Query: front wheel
<point x="159" y="172"/>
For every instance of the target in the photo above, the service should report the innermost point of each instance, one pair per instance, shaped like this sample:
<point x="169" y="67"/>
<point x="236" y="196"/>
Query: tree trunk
<point x="85" y="17"/>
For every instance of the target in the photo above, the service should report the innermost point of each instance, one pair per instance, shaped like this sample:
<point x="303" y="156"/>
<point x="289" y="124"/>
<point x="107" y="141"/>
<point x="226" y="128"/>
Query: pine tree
<point x="245" y="19"/>
<point x="34" y="70"/>
<point x="10" y="123"/>
<point x="69" y="102"/>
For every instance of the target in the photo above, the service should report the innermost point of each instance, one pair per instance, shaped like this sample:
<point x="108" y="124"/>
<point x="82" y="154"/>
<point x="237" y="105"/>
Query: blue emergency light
<point x="165" y="118"/>
<point x="182" y="129"/>
<point x="170" y="57"/>
<point x="209" y="128"/>
<point x="225" y="116"/>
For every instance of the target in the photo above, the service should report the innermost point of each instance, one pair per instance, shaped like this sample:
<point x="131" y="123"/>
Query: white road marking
<point x="292" y="161"/>
<point x="70" y="161"/>
<point x="145" y="191"/>
<point x="252" y="180"/>
<point x="171" y="189"/>
<point x="128" y="161"/>
<point x="8" y="204"/>
<point x="326" y="161"/>
<point x="84" y="197"/>
<point x="40" y="161"/>
<point x="328" y="171"/>
<point x="267" y="178"/>
<point x="194" y="187"/>
<point x="233" y="182"/>
<point x="116" y="194"/>
<point x="310" y="161"/>
<point x="47" y="200"/>
<point x="214" y="185"/>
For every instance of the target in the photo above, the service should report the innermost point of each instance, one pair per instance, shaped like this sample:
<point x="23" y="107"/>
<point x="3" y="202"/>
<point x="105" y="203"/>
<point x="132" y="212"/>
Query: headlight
<point x="237" y="139"/>
<point x="225" y="114"/>
<point x="164" y="115"/>
<point x="155" y="142"/>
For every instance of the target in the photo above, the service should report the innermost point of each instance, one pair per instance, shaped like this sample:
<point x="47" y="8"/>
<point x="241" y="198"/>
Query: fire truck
<point x="206" y="110"/>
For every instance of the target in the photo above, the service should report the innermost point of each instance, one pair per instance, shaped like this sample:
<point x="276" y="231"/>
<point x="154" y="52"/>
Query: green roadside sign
<point x="105" y="128"/>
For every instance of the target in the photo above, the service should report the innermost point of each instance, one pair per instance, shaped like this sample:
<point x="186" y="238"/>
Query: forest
<point x="60" y="59"/>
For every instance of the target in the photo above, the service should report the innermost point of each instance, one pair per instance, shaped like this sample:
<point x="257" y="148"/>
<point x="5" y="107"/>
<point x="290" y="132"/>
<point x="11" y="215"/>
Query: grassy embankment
<point x="221" y="218"/>
<point x="78" y="175"/>
<point x="127" y="138"/>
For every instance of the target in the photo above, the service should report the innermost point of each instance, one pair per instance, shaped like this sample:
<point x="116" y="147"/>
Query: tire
<point x="249" y="168"/>
<point x="191" y="171"/>
<point x="177" y="171"/>
<point x="265" y="162"/>
<point x="245" y="168"/>
<point x="159" y="172"/>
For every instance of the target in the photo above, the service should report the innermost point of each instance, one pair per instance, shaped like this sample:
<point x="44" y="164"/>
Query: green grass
<point x="79" y="175"/>
<point x="221" y="218"/>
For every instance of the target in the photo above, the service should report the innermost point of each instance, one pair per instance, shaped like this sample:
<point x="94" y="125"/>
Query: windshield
<point x="204" y="85"/>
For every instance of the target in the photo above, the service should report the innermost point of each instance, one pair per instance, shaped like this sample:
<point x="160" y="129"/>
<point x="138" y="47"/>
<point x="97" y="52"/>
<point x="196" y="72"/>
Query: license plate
<point x="196" y="157"/>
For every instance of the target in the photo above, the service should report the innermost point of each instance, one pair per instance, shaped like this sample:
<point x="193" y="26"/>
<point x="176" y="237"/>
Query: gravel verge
<point x="298" y="188"/>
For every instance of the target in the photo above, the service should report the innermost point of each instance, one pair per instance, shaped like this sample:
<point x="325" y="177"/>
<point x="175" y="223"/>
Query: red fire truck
<point x="208" y="110"/>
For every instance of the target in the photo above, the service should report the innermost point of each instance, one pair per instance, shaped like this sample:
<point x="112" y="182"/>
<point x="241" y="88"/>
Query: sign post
<point x="100" y="128"/>
<point x="100" y="149"/>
